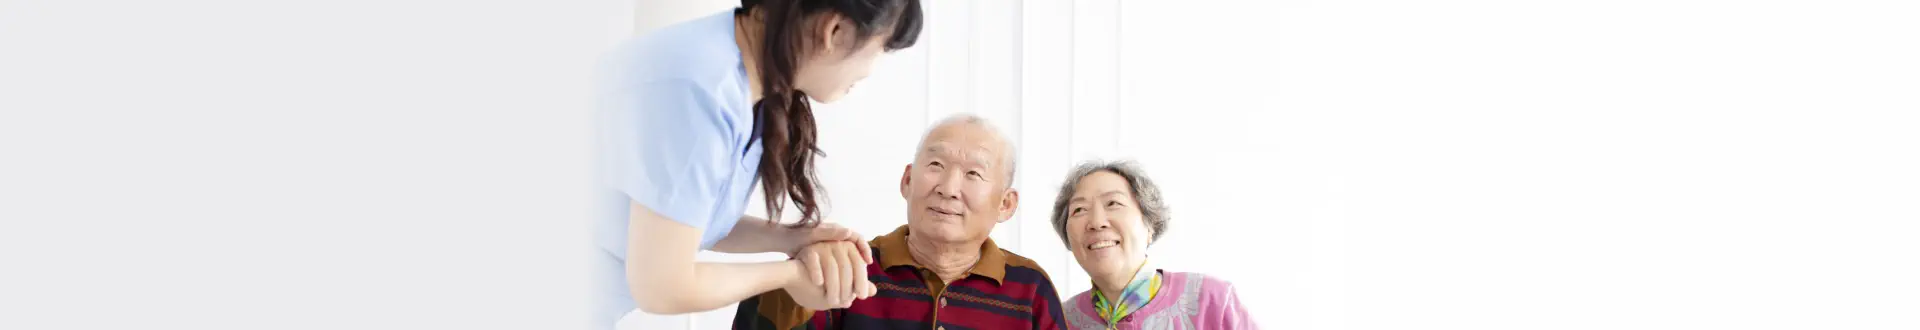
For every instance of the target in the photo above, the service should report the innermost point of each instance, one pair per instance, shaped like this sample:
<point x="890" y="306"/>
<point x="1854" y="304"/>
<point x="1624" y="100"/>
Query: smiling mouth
<point x="942" y="212"/>
<point x="1102" y="244"/>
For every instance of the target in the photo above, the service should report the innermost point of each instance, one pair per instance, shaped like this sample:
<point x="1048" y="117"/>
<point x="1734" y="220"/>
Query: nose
<point x="949" y="185"/>
<point x="1097" y="220"/>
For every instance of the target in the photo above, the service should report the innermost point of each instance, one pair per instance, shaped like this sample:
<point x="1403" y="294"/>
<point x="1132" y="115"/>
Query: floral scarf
<point x="1145" y="285"/>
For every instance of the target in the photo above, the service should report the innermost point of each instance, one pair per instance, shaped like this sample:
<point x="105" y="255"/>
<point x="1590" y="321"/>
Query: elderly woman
<point x="1109" y="213"/>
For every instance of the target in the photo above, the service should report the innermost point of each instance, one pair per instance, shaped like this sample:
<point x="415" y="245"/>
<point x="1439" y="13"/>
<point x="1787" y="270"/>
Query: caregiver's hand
<point x="833" y="275"/>
<point x="828" y="232"/>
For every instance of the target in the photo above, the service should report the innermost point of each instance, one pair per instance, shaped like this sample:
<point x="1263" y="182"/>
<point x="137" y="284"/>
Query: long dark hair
<point x="784" y="117"/>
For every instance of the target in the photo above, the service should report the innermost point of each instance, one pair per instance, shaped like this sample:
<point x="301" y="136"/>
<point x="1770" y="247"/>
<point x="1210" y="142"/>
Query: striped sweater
<point x="1001" y="291"/>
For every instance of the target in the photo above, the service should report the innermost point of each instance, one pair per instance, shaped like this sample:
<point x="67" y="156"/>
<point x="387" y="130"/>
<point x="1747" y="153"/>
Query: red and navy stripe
<point x="1025" y="299"/>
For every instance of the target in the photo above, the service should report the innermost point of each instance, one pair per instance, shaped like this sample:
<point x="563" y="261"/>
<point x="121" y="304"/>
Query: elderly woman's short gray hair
<point x="1153" y="210"/>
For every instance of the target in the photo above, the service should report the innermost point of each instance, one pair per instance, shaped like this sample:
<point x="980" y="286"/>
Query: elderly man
<point x="940" y="270"/>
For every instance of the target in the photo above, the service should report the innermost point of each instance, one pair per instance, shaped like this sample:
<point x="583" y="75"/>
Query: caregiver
<point x="698" y="111"/>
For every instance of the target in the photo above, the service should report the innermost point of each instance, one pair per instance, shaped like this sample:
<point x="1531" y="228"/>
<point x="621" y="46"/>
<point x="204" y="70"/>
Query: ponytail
<point x="783" y="115"/>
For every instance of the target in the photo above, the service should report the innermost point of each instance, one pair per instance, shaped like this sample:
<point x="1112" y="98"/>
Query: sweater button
<point x="943" y="302"/>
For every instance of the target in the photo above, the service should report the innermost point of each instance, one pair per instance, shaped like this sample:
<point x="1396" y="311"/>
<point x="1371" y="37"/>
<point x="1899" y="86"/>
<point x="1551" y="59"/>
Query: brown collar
<point x="893" y="252"/>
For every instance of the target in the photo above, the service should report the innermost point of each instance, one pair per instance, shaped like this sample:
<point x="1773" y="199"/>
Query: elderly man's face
<point x="1104" y="225"/>
<point x="956" y="189"/>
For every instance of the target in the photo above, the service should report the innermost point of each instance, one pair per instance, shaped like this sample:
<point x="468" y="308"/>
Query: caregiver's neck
<point x="747" y="31"/>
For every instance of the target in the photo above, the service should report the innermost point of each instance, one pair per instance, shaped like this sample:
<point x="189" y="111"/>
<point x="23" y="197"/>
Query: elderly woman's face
<point x="1104" y="226"/>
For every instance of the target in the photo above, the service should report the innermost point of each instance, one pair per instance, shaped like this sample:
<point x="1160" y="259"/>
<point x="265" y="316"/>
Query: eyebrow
<point x="1109" y="192"/>
<point x="977" y="157"/>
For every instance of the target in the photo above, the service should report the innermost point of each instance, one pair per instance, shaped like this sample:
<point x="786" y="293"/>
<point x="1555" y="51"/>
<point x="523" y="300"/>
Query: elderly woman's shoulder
<point x="1215" y="302"/>
<point x="1207" y="286"/>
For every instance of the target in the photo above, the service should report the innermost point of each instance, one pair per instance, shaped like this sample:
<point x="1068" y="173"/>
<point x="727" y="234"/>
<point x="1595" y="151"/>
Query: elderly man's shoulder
<point x="1025" y="269"/>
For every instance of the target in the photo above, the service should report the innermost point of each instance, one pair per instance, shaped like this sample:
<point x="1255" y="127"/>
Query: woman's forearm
<point x="716" y="285"/>
<point x="756" y="235"/>
<point x="664" y="277"/>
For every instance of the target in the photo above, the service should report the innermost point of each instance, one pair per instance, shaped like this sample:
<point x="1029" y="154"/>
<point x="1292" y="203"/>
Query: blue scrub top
<point x="676" y="134"/>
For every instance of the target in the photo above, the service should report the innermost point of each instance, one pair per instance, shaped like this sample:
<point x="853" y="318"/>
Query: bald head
<point x="966" y="128"/>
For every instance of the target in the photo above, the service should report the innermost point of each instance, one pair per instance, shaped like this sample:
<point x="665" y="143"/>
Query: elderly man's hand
<point x="833" y="274"/>
<point x="825" y="232"/>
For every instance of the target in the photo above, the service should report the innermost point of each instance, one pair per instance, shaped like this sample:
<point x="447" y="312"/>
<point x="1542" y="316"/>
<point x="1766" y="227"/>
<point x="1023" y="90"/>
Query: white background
<point x="1350" y="164"/>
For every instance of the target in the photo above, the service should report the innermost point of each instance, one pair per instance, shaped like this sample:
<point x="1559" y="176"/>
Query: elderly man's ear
<point x="1008" y="203"/>
<point x="904" y="174"/>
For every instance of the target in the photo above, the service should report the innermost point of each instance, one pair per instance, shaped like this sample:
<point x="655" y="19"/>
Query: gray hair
<point x="1010" y="157"/>
<point x="1153" y="209"/>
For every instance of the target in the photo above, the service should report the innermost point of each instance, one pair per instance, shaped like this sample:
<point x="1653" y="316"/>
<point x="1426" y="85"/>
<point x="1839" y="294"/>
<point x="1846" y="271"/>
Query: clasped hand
<point x="832" y="275"/>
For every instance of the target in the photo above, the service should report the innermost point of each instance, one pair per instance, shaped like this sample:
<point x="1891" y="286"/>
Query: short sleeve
<point x="669" y="149"/>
